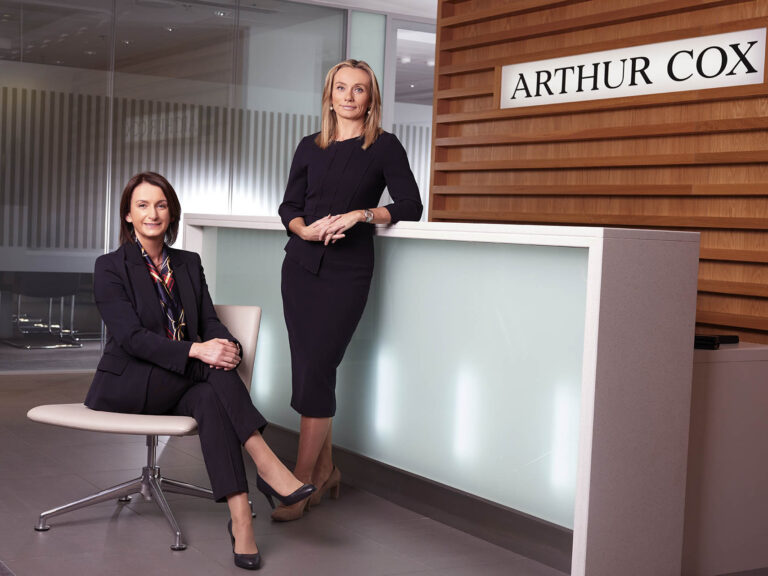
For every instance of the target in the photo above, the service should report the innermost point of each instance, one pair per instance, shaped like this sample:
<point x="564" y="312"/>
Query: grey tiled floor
<point x="16" y="360"/>
<point x="43" y="466"/>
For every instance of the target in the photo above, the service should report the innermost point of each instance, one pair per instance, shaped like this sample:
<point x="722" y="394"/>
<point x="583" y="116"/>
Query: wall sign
<point x="716" y="61"/>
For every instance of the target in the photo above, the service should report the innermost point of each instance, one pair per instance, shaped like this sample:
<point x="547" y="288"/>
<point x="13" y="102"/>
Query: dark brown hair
<point x="174" y="207"/>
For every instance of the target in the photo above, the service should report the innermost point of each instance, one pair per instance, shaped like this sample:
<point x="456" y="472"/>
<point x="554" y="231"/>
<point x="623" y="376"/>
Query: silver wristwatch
<point x="368" y="215"/>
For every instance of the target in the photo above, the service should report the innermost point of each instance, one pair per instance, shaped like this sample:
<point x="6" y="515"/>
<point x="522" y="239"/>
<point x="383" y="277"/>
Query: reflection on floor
<point x="19" y="360"/>
<point x="44" y="466"/>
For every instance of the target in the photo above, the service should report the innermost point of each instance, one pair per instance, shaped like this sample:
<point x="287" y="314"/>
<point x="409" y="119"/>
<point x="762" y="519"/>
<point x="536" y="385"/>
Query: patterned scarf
<point x="175" y="325"/>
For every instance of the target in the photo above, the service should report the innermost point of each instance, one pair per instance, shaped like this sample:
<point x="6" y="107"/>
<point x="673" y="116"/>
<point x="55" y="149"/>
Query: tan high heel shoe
<point x="292" y="512"/>
<point x="331" y="485"/>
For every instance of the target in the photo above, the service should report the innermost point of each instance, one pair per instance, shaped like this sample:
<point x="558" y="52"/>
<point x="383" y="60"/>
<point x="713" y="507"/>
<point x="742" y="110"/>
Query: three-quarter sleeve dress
<point x="325" y="288"/>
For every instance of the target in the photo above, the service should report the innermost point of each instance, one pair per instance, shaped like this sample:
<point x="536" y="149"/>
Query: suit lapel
<point x="147" y="302"/>
<point x="186" y="291"/>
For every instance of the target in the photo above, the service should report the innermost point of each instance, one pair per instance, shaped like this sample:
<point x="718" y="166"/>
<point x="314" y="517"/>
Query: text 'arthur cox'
<point x="717" y="61"/>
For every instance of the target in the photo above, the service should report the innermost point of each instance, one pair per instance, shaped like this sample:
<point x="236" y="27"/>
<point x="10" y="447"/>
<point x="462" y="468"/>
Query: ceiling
<point x="415" y="70"/>
<point x="78" y="33"/>
<point x="414" y="8"/>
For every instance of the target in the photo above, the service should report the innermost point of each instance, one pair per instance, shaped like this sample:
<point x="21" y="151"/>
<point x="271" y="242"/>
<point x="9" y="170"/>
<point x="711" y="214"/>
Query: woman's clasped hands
<point x="217" y="353"/>
<point x="329" y="229"/>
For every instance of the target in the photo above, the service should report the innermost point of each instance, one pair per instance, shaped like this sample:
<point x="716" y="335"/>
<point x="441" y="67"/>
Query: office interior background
<point x="214" y="95"/>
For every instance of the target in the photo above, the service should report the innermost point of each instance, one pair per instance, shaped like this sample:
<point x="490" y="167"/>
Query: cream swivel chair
<point x="243" y="323"/>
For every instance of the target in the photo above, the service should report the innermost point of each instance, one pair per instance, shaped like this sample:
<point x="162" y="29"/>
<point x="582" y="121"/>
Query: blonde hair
<point x="372" y="125"/>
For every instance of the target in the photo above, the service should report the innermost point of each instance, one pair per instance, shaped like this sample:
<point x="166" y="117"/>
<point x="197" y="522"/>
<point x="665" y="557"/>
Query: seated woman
<point x="168" y="353"/>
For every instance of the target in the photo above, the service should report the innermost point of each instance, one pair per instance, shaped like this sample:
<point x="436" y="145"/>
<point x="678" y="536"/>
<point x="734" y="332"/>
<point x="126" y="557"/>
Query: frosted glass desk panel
<point x="465" y="368"/>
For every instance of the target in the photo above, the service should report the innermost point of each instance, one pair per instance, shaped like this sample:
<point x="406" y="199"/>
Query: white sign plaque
<point x="716" y="61"/>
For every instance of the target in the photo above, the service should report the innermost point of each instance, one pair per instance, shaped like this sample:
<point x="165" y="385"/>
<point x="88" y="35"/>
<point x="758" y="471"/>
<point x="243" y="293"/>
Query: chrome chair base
<point x="151" y="485"/>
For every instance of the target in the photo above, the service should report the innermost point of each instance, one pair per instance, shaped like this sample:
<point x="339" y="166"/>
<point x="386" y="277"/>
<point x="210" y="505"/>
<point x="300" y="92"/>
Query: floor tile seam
<point x="23" y="553"/>
<point x="89" y="480"/>
<point x="378" y="545"/>
<point x="138" y="446"/>
<point x="89" y="468"/>
<point x="322" y="555"/>
<point x="75" y="443"/>
<point x="192" y="454"/>
<point x="177" y="472"/>
<point x="17" y="444"/>
<point x="279" y="529"/>
<point x="118" y="555"/>
<point x="474" y="555"/>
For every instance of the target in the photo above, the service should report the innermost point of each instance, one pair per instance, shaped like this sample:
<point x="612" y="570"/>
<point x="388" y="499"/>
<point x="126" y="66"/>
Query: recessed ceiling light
<point x="405" y="60"/>
<point x="90" y="52"/>
<point x="413" y="86"/>
<point x="169" y="28"/>
<point x="220" y="13"/>
<point x="127" y="42"/>
<point x="430" y="63"/>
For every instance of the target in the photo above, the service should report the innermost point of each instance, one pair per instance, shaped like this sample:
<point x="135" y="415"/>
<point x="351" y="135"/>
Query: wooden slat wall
<point x="689" y="160"/>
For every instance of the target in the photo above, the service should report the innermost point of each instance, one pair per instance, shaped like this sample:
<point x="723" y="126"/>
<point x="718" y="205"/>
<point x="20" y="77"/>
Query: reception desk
<point x="546" y="370"/>
<point x="727" y="496"/>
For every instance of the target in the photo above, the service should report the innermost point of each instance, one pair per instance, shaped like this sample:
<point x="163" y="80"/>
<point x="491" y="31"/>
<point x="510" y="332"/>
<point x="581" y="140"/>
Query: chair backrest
<point x="243" y="323"/>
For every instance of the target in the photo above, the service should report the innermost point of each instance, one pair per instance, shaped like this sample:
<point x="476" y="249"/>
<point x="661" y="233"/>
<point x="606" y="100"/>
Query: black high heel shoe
<point x="246" y="561"/>
<point x="297" y="495"/>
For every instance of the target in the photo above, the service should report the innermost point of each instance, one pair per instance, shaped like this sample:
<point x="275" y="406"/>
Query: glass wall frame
<point x="410" y="64"/>
<point x="215" y="95"/>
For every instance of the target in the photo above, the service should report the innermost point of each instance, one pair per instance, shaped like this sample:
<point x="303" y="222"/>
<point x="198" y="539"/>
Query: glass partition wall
<point x="55" y="61"/>
<point x="215" y="95"/>
<point x="412" y="59"/>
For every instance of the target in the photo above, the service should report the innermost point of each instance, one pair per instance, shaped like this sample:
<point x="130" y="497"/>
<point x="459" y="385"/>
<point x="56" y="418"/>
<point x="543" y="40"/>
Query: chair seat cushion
<point x="81" y="417"/>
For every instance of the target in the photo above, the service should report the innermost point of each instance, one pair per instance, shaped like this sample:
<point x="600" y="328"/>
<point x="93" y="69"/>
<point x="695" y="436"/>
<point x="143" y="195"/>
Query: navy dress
<point x="325" y="288"/>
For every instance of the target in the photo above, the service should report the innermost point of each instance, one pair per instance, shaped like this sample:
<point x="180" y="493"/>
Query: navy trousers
<point x="225" y="414"/>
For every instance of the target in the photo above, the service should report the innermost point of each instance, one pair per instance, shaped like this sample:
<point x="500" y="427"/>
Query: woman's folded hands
<point x="217" y="353"/>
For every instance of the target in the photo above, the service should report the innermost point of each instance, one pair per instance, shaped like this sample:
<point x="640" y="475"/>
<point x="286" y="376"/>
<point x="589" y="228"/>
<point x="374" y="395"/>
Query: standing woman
<point x="330" y="206"/>
<point x="168" y="353"/>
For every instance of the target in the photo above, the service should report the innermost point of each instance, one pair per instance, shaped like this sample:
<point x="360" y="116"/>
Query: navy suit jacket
<point x="136" y="339"/>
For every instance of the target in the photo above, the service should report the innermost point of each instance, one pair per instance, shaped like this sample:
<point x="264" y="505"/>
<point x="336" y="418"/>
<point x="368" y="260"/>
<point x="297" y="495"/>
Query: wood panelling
<point x="695" y="160"/>
<point x="476" y="36"/>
